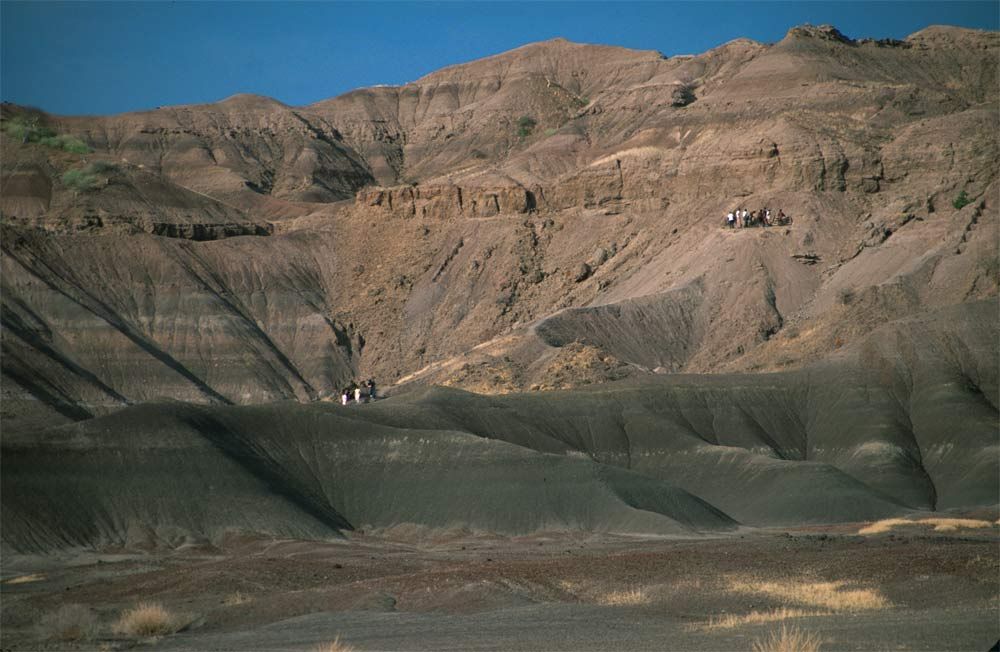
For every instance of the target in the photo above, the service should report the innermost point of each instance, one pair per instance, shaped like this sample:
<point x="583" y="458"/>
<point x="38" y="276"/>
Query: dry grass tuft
<point x="878" y="527"/>
<point x="334" y="646"/>
<point x="147" y="619"/>
<point x="788" y="639"/>
<point x="620" y="598"/>
<point x="25" y="579"/>
<point x="757" y="617"/>
<point x="939" y="524"/>
<point x="951" y="524"/>
<point x="570" y="587"/>
<point x="833" y="596"/>
<point x="237" y="598"/>
<point x="71" y="622"/>
<point x="624" y="598"/>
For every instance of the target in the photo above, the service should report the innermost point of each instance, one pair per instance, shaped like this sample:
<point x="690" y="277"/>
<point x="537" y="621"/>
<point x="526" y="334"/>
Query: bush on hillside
<point x="64" y="142"/>
<point x="961" y="201"/>
<point x="26" y="129"/>
<point x="101" y="167"/>
<point x="525" y="126"/>
<point x="79" y="180"/>
<point x="31" y="130"/>
<point x="17" y="130"/>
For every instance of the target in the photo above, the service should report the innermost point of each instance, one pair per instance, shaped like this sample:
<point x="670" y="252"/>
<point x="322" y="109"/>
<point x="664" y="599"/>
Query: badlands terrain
<point x="606" y="421"/>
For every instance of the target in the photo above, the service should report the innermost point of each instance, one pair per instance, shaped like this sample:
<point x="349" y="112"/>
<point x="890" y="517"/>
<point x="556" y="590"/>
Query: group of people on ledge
<point x="358" y="393"/>
<point x="741" y="218"/>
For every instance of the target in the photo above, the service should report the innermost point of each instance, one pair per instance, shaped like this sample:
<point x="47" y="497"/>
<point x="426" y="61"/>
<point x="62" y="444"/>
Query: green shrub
<point x="79" y="180"/>
<point x="74" y="145"/>
<point x="29" y="130"/>
<point x="26" y="129"/>
<point x="961" y="201"/>
<point x="17" y="130"/>
<point x="64" y="142"/>
<point x="101" y="167"/>
<point x="525" y="126"/>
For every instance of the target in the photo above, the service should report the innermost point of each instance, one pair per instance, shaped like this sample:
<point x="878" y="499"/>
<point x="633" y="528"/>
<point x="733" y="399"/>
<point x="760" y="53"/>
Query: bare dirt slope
<point x="550" y="217"/>
<point x="866" y="435"/>
<point x="558" y="194"/>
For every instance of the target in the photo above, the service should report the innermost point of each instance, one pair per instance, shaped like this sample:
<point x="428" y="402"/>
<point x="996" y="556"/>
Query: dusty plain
<point x="413" y="590"/>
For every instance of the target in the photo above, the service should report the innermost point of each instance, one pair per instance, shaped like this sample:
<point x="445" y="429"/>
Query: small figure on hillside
<point x="357" y="393"/>
<point x="730" y="220"/>
<point x="344" y="397"/>
<point x="371" y="388"/>
<point x="767" y="217"/>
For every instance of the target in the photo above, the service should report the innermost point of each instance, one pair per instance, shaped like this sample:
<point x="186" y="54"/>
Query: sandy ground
<point x="916" y="589"/>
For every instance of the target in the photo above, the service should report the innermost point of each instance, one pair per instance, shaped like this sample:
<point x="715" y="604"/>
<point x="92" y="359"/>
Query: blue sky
<point x="95" y="58"/>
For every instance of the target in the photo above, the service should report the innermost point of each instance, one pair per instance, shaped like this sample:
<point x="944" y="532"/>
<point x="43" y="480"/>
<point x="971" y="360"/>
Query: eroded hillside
<point x="543" y="218"/>
<point x="871" y="433"/>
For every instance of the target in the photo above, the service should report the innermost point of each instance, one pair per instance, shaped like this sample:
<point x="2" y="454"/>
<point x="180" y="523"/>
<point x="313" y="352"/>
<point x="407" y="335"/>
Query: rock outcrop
<point x="447" y="201"/>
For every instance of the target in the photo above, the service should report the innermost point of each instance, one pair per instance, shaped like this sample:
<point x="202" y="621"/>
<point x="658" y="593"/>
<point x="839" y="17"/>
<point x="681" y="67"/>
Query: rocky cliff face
<point x="501" y="223"/>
